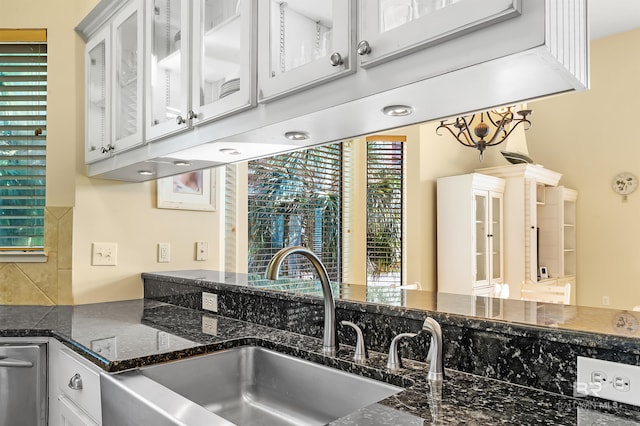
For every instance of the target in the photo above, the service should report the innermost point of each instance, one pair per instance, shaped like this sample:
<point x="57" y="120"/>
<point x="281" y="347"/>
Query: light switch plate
<point x="104" y="254"/>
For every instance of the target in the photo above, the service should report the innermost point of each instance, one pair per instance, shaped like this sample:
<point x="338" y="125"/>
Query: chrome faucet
<point x="329" y="344"/>
<point x="434" y="357"/>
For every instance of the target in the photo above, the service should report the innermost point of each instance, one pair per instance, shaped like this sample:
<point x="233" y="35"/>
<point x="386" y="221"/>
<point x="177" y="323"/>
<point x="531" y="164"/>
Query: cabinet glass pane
<point x="220" y="40"/>
<point x="496" y="239"/>
<point x="394" y="13"/>
<point x="166" y="68"/>
<point x="97" y="112"/>
<point x="126" y="92"/>
<point x="481" y="236"/>
<point x="301" y="32"/>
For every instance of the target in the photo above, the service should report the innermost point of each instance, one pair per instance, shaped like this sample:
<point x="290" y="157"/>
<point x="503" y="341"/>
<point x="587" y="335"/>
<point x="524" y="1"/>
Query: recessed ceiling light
<point x="297" y="136"/>
<point x="230" y="151"/>
<point x="145" y="172"/>
<point x="181" y="163"/>
<point x="397" y="110"/>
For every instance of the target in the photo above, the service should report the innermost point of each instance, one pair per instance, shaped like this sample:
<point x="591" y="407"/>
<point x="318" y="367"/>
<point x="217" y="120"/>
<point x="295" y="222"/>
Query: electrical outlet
<point x="605" y="300"/>
<point x="209" y="301"/>
<point x="608" y="380"/>
<point x="104" y="254"/>
<point x="105" y="347"/>
<point x="202" y="250"/>
<point x="163" y="340"/>
<point x="209" y="325"/>
<point x="164" y="252"/>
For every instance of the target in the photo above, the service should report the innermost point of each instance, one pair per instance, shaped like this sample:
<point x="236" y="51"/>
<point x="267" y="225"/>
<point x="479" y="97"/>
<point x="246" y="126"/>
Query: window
<point x="295" y="199"/>
<point x="344" y="201"/>
<point x="23" y="102"/>
<point x="385" y="212"/>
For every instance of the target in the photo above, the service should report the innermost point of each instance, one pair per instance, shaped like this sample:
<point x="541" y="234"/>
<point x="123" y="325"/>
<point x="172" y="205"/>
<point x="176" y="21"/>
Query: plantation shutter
<point x="23" y="109"/>
<point x="294" y="199"/>
<point x="385" y="210"/>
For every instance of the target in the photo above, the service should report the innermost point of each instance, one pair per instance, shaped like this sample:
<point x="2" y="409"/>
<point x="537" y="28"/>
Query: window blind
<point x="295" y="199"/>
<point x="385" y="210"/>
<point x="23" y="129"/>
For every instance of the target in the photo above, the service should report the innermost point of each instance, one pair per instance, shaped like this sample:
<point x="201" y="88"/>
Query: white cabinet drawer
<point x="86" y="392"/>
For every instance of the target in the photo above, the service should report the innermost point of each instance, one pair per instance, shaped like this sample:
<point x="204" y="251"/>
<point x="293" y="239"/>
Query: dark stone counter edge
<point x="583" y="338"/>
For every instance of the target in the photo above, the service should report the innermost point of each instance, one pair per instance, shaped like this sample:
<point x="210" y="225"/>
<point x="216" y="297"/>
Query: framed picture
<point x="188" y="191"/>
<point x="543" y="273"/>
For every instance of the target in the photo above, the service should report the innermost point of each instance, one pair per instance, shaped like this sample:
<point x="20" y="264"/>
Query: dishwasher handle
<point x="14" y="363"/>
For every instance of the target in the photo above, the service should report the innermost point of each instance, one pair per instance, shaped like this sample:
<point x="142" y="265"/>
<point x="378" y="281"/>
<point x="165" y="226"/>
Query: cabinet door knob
<point x="191" y="115"/>
<point x="364" y="48"/>
<point x="336" y="59"/>
<point x="75" y="382"/>
<point x="180" y="120"/>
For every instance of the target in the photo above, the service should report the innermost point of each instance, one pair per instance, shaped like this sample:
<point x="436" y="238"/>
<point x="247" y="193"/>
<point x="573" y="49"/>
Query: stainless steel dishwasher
<point x="23" y="384"/>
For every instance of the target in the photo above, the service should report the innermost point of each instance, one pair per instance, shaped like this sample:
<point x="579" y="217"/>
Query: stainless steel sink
<point x="242" y="386"/>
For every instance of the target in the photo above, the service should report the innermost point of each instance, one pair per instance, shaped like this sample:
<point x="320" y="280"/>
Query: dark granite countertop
<point x="149" y="332"/>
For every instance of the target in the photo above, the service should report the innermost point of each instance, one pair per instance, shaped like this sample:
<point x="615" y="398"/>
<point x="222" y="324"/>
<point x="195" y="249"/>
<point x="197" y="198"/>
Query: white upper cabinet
<point x="392" y="28"/>
<point x="303" y="43"/>
<point x="200" y="62"/>
<point x="167" y="65"/>
<point x="127" y="77"/>
<point x="223" y="62"/>
<point x="97" y="102"/>
<point x="113" y="68"/>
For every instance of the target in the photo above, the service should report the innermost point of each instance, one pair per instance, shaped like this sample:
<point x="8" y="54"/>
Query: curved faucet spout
<point x="435" y="349"/>
<point x="329" y="344"/>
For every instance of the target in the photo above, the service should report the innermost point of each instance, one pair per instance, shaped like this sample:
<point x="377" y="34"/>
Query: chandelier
<point x="475" y="131"/>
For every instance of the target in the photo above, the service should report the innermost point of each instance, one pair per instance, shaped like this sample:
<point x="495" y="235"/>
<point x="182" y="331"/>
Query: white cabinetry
<point x="303" y="44"/>
<point x="470" y="233"/>
<point x="539" y="220"/>
<point x="74" y="389"/>
<point x="98" y="100"/>
<point x="166" y="76"/>
<point x="557" y="239"/>
<point x="204" y="61"/>
<point x="114" y="85"/>
<point x="392" y="28"/>
<point x="199" y="62"/>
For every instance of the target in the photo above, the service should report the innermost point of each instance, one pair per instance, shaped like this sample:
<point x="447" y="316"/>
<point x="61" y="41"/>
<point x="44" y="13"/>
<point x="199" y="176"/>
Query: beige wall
<point x="590" y="137"/>
<point x="103" y="211"/>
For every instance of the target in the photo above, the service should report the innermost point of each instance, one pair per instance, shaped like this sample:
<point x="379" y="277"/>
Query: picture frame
<point x="188" y="191"/>
<point x="544" y="274"/>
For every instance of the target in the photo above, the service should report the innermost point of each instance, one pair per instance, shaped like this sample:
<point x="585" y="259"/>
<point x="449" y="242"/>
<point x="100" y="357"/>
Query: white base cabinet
<point x="74" y="388"/>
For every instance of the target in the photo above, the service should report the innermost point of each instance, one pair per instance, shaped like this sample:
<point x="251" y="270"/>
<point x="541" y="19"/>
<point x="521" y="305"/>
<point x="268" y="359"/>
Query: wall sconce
<point x="469" y="132"/>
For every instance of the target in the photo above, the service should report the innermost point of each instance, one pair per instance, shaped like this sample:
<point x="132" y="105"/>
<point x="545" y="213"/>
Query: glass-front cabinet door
<point x="391" y="28"/>
<point x="127" y="77"/>
<point x="97" y="86"/>
<point x="481" y="240"/>
<point x="487" y="238"/>
<point x="495" y="239"/>
<point x="223" y="65"/>
<point x="303" y="43"/>
<point x="167" y="65"/>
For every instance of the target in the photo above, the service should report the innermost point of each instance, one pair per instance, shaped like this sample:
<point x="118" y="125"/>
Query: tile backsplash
<point x="47" y="283"/>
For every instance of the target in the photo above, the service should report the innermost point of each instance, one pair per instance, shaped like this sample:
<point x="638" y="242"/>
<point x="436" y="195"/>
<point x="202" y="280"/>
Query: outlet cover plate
<point x="613" y="381"/>
<point x="209" y="325"/>
<point x="209" y="301"/>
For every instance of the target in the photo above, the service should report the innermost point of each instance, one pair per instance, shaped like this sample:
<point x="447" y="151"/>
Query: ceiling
<point x="607" y="17"/>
